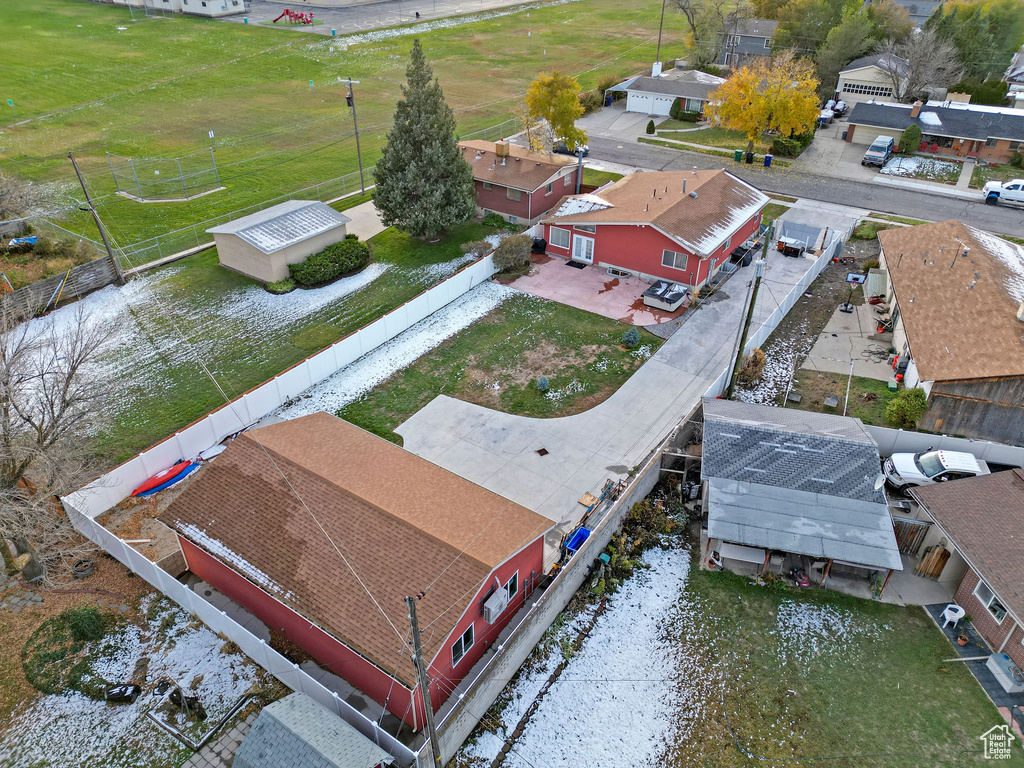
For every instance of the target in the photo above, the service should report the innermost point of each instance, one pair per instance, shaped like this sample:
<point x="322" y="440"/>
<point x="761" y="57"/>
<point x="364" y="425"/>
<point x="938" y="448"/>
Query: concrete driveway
<point x="592" y="289"/>
<point x="829" y="155"/>
<point x="615" y="122"/>
<point x="847" y="339"/>
<point x="500" y="451"/>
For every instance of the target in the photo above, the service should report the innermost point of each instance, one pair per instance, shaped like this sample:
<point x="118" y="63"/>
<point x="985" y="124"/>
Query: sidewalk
<point x="927" y="186"/>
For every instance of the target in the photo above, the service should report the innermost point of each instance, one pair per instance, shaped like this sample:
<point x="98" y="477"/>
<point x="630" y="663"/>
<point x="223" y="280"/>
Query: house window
<point x="987" y="598"/>
<point x="728" y="242"/>
<point x="512" y="586"/>
<point x="462" y="645"/>
<point x="567" y="180"/>
<point x="548" y="188"/>
<point x="767" y="43"/>
<point x="990" y="142"/>
<point x="513" y="219"/>
<point x="488" y="185"/>
<point x="586" y="228"/>
<point x="1014" y="146"/>
<point x="559" y="237"/>
<point x="673" y="259"/>
<point x="512" y="194"/>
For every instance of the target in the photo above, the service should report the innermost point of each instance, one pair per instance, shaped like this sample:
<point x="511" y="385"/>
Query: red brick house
<point x="983" y="519"/>
<point x="517" y="183"/>
<point x="321" y="530"/>
<point x="672" y="225"/>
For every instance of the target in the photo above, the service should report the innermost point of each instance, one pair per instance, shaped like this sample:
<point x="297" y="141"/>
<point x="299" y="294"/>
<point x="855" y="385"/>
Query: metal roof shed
<point x="296" y="732"/>
<point x="794" y="481"/>
<point x="263" y="244"/>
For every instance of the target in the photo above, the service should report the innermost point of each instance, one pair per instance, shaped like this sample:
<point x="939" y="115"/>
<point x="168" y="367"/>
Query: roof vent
<point x="684" y="186"/>
<point x="694" y="194"/>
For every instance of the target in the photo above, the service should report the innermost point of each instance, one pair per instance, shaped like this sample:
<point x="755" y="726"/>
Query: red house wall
<point x="639" y="249"/>
<point x="529" y="560"/>
<point x="329" y="652"/>
<point x="993" y="632"/>
<point x="349" y="665"/>
<point x="496" y="198"/>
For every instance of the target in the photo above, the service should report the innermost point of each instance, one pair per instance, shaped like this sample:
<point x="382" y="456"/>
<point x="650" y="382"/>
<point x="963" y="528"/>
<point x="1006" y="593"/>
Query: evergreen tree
<point x="424" y="186"/>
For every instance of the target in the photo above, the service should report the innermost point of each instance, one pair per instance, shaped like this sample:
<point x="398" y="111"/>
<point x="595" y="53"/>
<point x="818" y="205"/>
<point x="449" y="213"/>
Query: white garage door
<point x="638" y="102"/>
<point x="662" y="105"/>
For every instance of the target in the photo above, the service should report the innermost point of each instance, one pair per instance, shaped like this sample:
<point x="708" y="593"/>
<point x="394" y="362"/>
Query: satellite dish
<point x="879" y="481"/>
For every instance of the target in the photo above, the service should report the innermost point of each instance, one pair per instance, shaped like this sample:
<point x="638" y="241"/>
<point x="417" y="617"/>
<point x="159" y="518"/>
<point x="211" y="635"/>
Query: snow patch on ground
<point x="572" y="388"/>
<point x="806" y="632"/>
<point x="780" y="360"/>
<point x="72" y="729"/>
<point x="376" y="367"/>
<point x="921" y="168"/>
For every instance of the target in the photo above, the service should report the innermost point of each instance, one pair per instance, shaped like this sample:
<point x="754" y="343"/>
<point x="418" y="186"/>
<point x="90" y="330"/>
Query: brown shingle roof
<point x="523" y="169"/>
<point x="400" y="521"/>
<point x="984" y="516"/>
<point x="959" y="317"/>
<point x="700" y="224"/>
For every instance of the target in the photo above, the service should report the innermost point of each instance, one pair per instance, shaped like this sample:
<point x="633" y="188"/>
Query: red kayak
<point x="161" y="477"/>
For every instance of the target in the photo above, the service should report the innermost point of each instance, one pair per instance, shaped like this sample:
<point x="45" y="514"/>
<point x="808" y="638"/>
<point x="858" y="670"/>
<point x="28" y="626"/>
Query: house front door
<point x="583" y="249"/>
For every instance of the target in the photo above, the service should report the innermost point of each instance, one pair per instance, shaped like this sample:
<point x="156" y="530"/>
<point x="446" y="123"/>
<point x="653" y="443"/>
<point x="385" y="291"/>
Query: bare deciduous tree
<point x="51" y="400"/>
<point x="709" y="21"/>
<point x="928" y="62"/>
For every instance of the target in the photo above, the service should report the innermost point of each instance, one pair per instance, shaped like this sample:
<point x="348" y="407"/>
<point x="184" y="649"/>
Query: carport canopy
<point x="624" y="85"/>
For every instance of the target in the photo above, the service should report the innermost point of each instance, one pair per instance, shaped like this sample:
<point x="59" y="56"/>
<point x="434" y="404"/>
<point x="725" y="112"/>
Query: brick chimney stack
<point x="916" y="109"/>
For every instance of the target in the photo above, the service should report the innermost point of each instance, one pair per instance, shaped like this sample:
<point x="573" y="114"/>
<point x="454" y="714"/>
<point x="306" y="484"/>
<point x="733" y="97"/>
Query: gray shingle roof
<point x="284" y="224"/>
<point x="686" y="85"/>
<point x="795" y="481"/>
<point x="960" y="122"/>
<point x="296" y="732"/>
<point x="884" y="61"/>
<point x="754" y="27"/>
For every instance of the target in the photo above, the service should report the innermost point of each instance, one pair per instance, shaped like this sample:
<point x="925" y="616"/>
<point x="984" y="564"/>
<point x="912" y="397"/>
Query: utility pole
<point x="745" y="327"/>
<point x="99" y="224"/>
<point x="421" y="676"/>
<point x="661" y="26"/>
<point x="350" y="99"/>
<point x="579" y="168"/>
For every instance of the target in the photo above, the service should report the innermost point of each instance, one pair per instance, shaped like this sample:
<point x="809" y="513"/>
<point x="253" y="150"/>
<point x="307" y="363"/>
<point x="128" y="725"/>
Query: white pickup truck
<point x="906" y="470"/>
<point x="1007" y="192"/>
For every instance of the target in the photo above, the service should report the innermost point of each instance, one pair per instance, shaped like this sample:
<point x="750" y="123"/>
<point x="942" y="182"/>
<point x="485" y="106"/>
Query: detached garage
<point x="262" y="245"/>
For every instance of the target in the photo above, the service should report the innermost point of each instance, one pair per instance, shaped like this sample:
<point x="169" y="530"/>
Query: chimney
<point x="916" y="109"/>
<point x="1020" y="312"/>
<point x="501" y="148"/>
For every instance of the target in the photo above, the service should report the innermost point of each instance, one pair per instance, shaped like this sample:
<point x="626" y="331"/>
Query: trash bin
<point x="750" y="158"/>
<point x="767" y="161"/>
<point x="738" y="156"/>
<point x="844" y="135"/>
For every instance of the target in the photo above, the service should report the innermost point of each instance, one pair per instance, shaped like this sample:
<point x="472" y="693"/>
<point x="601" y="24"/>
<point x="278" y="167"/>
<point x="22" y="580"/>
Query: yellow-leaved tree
<point x="555" y="98"/>
<point x="770" y="94"/>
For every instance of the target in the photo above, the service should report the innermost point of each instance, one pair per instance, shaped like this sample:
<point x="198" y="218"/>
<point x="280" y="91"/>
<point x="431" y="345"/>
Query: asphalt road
<point x="785" y="181"/>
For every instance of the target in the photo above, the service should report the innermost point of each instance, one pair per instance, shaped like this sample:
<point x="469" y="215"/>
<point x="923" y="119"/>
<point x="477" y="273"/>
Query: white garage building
<point x="655" y="95"/>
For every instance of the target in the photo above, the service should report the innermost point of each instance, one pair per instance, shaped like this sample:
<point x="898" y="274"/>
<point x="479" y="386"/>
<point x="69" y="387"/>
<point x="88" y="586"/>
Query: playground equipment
<point x="295" y="17"/>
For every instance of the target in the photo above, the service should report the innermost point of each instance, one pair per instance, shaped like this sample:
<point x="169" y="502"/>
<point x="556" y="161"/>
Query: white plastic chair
<point x="952" y="615"/>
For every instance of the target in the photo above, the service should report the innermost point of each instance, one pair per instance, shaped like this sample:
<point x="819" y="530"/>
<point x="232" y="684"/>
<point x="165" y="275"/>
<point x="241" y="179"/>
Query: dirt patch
<point x="545" y="359"/>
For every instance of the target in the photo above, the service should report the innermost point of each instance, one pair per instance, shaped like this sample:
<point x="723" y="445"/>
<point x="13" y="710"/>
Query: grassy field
<point x="85" y="78"/>
<point x="496" y="363"/>
<point x="868" y="397"/>
<point x="718" y="137"/>
<point x="985" y="173"/>
<point x="196" y="309"/>
<point x="814" y="677"/>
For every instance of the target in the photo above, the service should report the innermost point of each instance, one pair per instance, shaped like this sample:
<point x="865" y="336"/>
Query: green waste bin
<point x="738" y="155"/>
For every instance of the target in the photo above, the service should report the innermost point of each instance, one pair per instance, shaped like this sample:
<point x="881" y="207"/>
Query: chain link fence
<point x="169" y="178"/>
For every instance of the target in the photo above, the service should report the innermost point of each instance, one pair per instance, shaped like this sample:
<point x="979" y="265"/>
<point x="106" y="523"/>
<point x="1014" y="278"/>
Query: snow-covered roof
<point x="283" y="225"/>
<point x="930" y="118"/>
<point x="697" y="209"/>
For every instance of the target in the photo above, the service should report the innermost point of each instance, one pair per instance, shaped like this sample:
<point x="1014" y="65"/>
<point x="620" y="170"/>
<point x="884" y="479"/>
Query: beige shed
<point x="262" y="245"/>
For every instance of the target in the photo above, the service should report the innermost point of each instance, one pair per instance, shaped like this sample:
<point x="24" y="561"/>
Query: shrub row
<point x="336" y="259"/>
<point x="791" y="147"/>
<point x="676" y="112"/>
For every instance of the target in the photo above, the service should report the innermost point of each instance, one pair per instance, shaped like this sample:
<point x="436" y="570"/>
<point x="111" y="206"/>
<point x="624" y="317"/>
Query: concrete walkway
<point x="365" y="220"/>
<point x="963" y="182"/>
<point x="501" y="452"/>
<point x="845" y="340"/>
<point x="927" y="186"/>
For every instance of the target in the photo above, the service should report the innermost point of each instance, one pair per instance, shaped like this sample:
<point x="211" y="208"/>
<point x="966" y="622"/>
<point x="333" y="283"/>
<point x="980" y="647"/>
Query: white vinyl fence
<point x="103" y="493"/>
<point x="892" y="441"/>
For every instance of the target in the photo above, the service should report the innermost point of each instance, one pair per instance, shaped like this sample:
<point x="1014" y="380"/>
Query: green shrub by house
<point x="631" y="338"/>
<point x="907" y="408"/>
<point x="336" y="259"/>
<point x="910" y="140"/>
<point x="650" y="128"/>
<point x="687" y="116"/>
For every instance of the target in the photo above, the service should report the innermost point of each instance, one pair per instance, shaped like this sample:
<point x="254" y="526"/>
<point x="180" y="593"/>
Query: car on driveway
<point x="879" y="151"/>
<point x="907" y="470"/>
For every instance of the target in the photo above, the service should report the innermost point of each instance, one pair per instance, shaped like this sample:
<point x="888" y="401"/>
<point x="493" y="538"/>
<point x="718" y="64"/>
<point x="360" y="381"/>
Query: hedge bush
<point x="910" y="140"/>
<point x="336" y="259"/>
<point x="590" y="101"/>
<point x="493" y="220"/>
<point x="674" y="110"/>
<point x="907" y="408"/>
<point x="650" y="128"/>
<point x="783" y="147"/>
<point x="688" y="117"/>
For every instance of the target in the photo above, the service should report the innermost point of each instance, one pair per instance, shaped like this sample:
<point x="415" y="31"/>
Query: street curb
<point x="935" y="189"/>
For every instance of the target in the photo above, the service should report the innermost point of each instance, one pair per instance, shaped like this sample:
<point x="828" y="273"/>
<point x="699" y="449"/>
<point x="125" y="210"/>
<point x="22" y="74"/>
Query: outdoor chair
<point x="952" y="615"/>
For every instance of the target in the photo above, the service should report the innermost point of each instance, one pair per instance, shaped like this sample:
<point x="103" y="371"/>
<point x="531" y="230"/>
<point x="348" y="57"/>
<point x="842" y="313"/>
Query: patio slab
<point x="845" y="340"/>
<point x="593" y="290"/>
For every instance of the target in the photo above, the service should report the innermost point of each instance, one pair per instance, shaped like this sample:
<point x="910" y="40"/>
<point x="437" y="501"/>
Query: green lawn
<point x="599" y="178"/>
<point x="676" y="125"/>
<point x="868" y="397"/>
<point x="772" y="211"/>
<point x="817" y="678"/>
<point x="985" y="173"/>
<point x="868" y="230"/>
<point x="157" y="87"/>
<point x="496" y="362"/>
<point x="719" y="137"/>
<point x="243" y="334"/>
